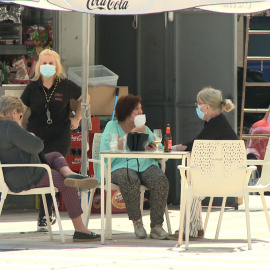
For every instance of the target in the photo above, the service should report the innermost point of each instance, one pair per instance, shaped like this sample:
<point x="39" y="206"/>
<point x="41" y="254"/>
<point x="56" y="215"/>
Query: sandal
<point x="85" y="237"/>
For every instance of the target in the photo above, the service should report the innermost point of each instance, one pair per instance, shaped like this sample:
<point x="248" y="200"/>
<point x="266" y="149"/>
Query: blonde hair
<point x="60" y="72"/>
<point x="214" y="99"/>
<point x="10" y="103"/>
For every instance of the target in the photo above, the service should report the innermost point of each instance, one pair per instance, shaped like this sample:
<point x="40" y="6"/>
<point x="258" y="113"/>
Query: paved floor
<point x="23" y="248"/>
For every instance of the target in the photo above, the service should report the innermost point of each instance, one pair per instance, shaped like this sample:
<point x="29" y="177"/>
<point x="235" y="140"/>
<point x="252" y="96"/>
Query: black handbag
<point x="137" y="141"/>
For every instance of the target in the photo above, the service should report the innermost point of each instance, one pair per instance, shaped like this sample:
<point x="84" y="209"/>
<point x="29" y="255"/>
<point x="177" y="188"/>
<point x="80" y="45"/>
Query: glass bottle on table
<point x="168" y="139"/>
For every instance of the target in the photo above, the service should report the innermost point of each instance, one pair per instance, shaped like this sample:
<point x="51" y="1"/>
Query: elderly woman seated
<point x="18" y="146"/>
<point x="130" y="174"/>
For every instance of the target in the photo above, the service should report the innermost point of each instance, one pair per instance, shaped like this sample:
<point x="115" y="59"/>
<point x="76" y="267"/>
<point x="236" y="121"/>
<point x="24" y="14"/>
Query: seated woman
<point x="209" y="107"/>
<point x="130" y="174"/>
<point x="18" y="146"/>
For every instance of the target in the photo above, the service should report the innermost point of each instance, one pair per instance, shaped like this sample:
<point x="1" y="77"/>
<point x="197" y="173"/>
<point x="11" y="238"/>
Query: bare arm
<point x="75" y="121"/>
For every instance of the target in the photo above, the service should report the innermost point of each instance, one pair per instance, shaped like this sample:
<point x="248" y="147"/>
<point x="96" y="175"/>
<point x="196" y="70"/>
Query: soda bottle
<point x="168" y="139"/>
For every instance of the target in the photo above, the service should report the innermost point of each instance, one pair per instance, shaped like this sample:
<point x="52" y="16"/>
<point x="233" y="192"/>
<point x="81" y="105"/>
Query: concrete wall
<point x="69" y="39"/>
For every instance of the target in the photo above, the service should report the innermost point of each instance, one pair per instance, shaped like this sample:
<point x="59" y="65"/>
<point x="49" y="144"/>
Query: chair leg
<point x="246" y="199"/>
<point x="168" y="220"/>
<point x="220" y="217"/>
<point x="47" y="215"/>
<point x="182" y="214"/>
<point x="3" y="198"/>
<point x="90" y="203"/>
<point x="208" y="213"/>
<point x="188" y="205"/>
<point x="265" y="209"/>
<point x="58" y="218"/>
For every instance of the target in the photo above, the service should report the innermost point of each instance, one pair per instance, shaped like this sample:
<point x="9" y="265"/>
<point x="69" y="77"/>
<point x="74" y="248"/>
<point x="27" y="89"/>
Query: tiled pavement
<point x="23" y="248"/>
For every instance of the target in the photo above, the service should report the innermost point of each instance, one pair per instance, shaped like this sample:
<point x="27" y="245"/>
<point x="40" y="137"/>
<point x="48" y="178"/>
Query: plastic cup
<point x="113" y="139"/>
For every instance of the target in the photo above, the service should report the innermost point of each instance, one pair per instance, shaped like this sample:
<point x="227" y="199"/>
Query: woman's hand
<point x="139" y="129"/>
<point x="151" y="147"/>
<point x="74" y="123"/>
<point x="179" y="147"/>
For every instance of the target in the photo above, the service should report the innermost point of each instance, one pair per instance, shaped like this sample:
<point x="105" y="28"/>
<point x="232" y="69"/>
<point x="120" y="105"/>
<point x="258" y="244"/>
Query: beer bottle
<point x="168" y="139"/>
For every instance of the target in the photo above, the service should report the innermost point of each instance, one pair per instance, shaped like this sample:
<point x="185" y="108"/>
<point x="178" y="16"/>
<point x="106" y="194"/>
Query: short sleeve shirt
<point x="59" y="106"/>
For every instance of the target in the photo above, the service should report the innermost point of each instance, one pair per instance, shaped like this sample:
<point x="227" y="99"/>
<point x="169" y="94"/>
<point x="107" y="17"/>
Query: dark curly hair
<point x="125" y="105"/>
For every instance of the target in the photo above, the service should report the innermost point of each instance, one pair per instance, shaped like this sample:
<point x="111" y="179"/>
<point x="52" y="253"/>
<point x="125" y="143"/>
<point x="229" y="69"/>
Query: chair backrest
<point x="220" y="167"/>
<point x="95" y="149"/>
<point x="265" y="179"/>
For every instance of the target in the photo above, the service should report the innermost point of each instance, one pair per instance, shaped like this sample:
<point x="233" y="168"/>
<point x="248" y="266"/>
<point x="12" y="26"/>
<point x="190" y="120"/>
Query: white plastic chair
<point x="96" y="161"/>
<point x="218" y="168"/>
<point x="42" y="191"/>
<point x="263" y="183"/>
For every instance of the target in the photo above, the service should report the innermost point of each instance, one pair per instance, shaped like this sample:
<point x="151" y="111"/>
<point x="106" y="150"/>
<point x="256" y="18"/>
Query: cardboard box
<point x="102" y="99"/>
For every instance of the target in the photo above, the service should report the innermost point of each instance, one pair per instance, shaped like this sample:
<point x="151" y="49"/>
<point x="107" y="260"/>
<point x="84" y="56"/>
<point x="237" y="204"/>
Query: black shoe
<point x="42" y="223"/>
<point x="80" y="181"/>
<point x="85" y="237"/>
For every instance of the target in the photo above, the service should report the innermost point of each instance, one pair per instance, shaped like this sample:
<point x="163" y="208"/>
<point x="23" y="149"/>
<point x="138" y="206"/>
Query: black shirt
<point x="59" y="107"/>
<point x="217" y="128"/>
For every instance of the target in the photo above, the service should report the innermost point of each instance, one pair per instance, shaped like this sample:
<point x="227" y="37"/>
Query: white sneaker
<point x="42" y="223"/>
<point x="158" y="233"/>
<point x="139" y="230"/>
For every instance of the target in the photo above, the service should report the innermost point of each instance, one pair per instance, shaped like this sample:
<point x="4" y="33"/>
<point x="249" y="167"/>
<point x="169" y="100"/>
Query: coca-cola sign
<point x="107" y="4"/>
<point x="76" y="161"/>
<point x="76" y="138"/>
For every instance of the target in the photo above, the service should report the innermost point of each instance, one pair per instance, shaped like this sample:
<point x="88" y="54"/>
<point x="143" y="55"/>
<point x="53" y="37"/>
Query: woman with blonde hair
<point x="209" y="107"/>
<point x="48" y="96"/>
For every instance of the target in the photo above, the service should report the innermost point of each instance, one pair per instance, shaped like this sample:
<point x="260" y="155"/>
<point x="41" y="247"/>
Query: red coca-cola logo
<point x="76" y="161"/>
<point x="76" y="138"/>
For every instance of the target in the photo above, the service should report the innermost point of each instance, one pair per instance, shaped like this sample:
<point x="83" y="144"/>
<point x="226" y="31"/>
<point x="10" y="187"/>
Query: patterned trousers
<point x="130" y="181"/>
<point x="195" y="217"/>
<point x="70" y="195"/>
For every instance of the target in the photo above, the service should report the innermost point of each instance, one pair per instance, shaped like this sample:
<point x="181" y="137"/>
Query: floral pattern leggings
<point x="155" y="180"/>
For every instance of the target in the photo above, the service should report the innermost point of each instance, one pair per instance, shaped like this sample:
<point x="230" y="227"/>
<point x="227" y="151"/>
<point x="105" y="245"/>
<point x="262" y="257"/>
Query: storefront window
<point x="24" y="33"/>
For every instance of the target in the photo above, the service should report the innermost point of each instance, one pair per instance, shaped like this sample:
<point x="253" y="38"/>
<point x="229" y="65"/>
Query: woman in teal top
<point x="130" y="174"/>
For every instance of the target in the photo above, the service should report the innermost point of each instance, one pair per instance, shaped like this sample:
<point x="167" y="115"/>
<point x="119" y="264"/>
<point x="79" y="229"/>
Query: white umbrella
<point x="238" y="7"/>
<point x="43" y="4"/>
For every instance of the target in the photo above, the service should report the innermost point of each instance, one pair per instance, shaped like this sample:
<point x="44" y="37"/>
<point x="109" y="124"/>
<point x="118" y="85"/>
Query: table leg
<point x="102" y="164"/>
<point x="108" y="230"/>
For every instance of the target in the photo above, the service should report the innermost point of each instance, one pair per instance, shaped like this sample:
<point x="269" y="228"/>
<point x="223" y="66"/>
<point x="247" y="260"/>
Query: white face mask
<point x="139" y="120"/>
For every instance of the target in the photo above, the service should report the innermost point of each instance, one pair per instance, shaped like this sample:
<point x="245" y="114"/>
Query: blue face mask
<point x="199" y="112"/>
<point x="47" y="70"/>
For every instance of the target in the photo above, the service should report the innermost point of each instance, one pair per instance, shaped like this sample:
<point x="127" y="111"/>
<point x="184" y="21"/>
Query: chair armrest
<point x="182" y="167"/>
<point x="257" y="162"/>
<point x="40" y="165"/>
<point x="94" y="160"/>
<point x="249" y="168"/>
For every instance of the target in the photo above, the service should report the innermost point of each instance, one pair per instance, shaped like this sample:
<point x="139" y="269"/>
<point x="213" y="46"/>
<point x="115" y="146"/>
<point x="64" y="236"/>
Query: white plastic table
<point x="181" y="155"/>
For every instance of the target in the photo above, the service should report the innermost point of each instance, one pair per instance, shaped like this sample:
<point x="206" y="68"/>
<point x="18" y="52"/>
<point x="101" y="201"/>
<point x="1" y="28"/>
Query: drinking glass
<point x="157" y="135"/>
<point x="113" y="139"/>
